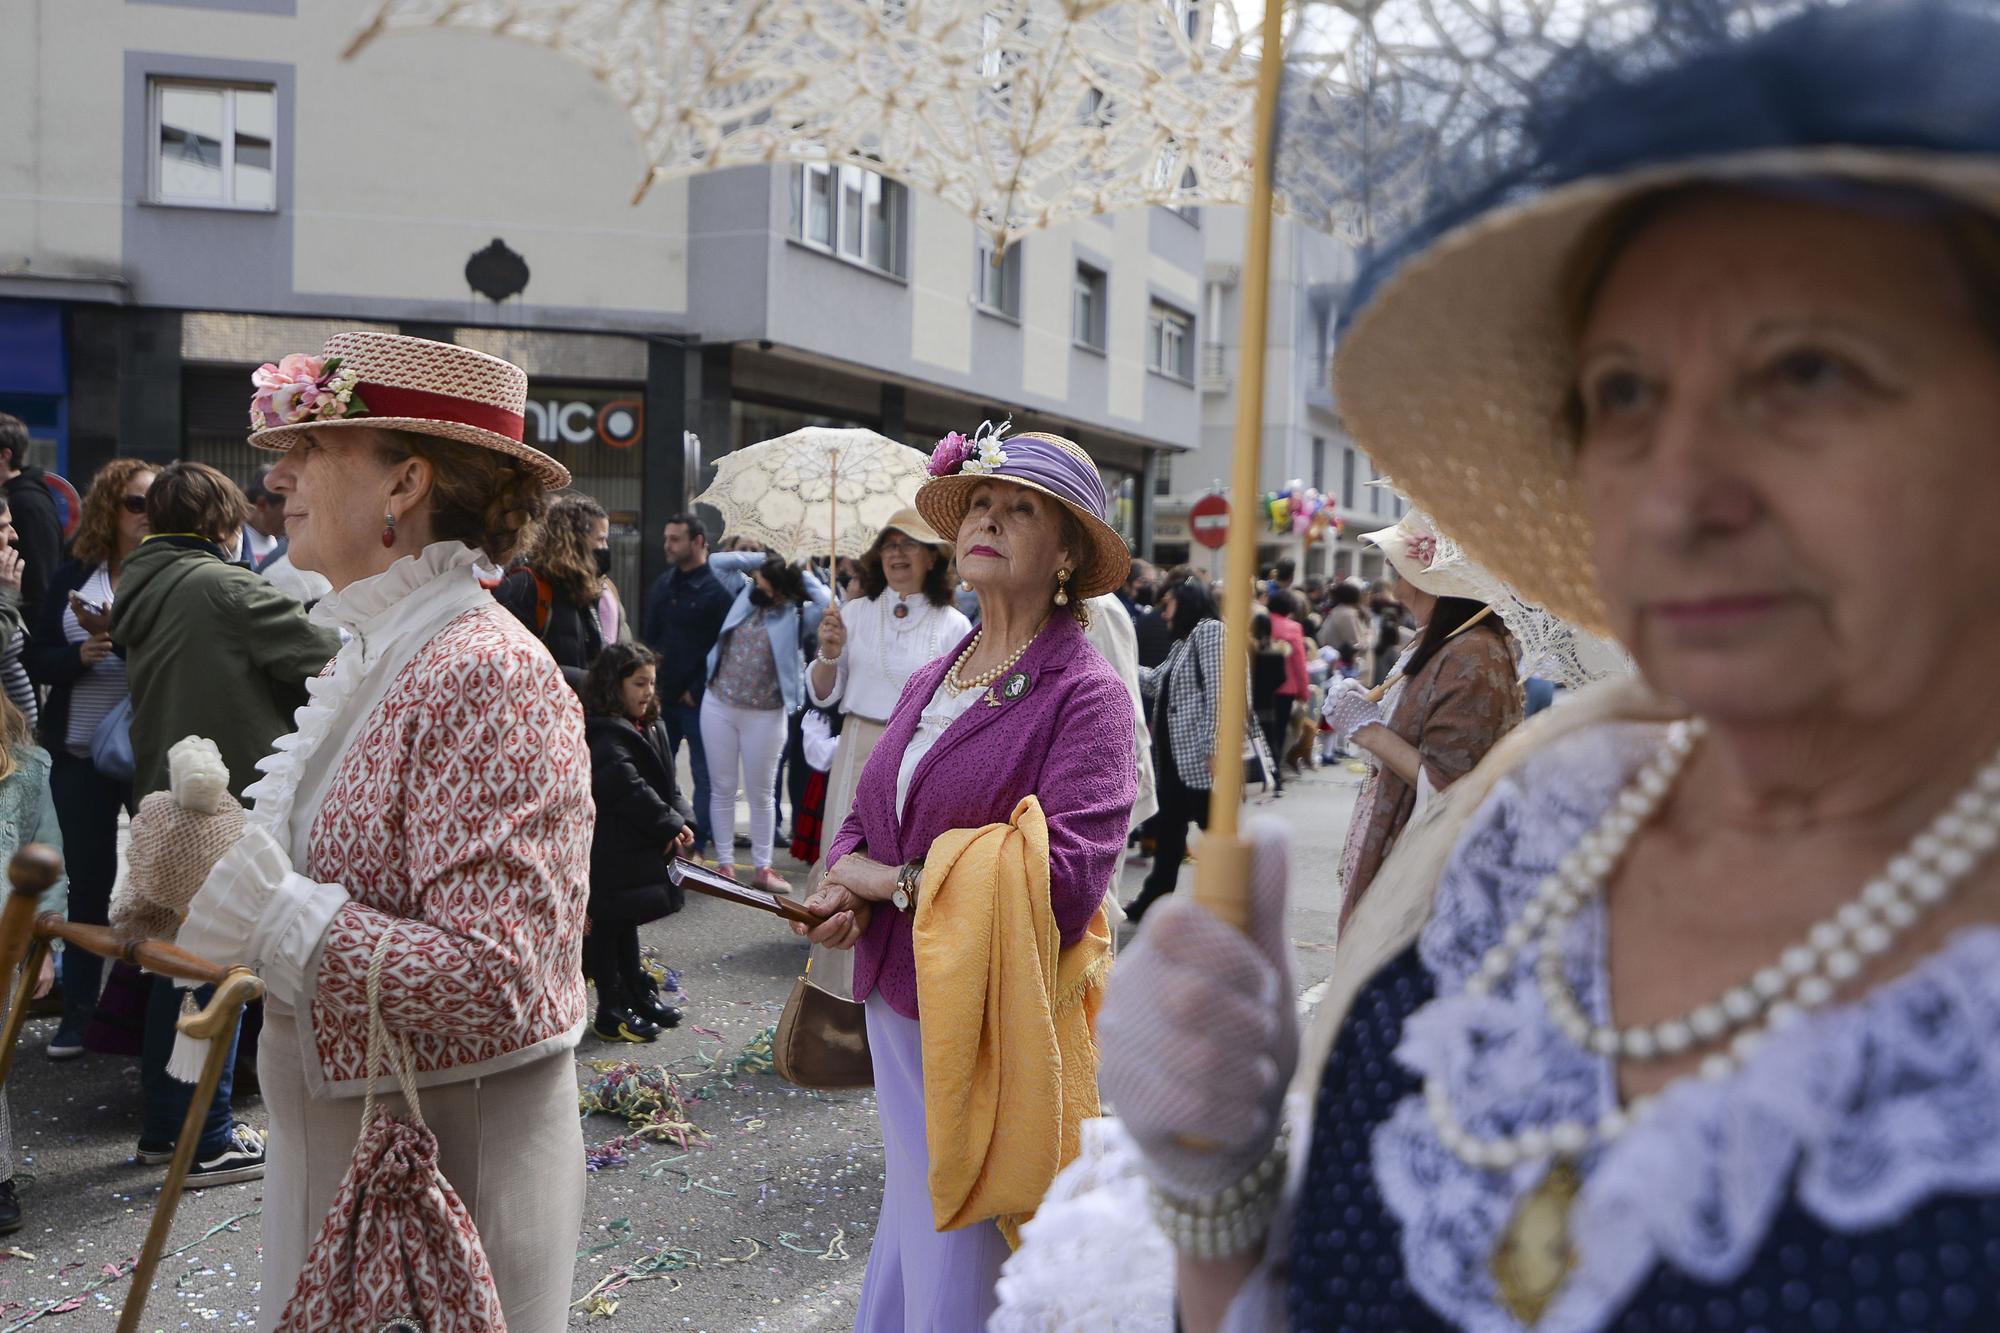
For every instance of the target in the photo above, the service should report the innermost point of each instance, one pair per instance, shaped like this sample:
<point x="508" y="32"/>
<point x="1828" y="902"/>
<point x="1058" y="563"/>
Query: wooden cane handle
<point x="35" y="869"/>
<point x="155" y="956"/>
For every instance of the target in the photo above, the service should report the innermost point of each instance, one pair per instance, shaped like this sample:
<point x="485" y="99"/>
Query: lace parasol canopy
<point x="818" y="488"/>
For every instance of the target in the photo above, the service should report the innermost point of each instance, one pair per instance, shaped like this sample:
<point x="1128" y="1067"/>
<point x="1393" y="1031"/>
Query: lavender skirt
<point x="919" y="1280"/>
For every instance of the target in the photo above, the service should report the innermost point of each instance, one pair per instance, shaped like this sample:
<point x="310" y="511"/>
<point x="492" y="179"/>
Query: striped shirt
<point x="101" y="688"/>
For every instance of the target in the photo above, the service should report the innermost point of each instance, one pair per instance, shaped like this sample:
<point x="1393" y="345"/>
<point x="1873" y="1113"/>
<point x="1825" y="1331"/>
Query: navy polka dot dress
<point x="1937" y="1268"/>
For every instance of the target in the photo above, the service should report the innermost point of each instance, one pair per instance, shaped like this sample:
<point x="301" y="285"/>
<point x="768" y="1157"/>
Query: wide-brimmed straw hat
<point x="911" y="524"/>
<point x="1047" y="463"/>
<point x="1457" y="374"/>
<point x="392" y="382"/>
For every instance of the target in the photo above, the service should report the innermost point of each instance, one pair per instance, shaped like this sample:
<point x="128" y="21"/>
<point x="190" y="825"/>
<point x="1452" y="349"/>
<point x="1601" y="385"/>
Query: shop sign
<point x="579" y="417"/>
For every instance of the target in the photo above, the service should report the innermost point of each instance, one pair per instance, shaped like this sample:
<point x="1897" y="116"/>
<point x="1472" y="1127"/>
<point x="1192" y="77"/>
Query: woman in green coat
<point x="211" y="649"/>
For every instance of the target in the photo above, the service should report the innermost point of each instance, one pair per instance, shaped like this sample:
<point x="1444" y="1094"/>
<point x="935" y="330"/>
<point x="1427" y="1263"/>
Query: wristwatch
<point x="908" y="877"/>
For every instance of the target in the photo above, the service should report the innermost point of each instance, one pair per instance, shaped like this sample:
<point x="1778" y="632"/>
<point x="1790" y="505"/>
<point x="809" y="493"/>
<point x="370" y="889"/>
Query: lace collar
<point x="388" y="618"/>
<point x="1859" y="1112"/>
<point x="363" y="606"/>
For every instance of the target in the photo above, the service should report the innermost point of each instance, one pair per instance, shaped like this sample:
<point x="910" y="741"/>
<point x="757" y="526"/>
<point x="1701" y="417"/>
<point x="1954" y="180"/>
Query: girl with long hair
<point x="69" y="653"/>
<point x="643" y="821"/>
<point x="561" y="587"/>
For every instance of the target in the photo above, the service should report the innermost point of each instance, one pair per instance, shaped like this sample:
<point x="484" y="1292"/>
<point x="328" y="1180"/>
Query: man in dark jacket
<point x="683" y="619"/>
<point x="1156" y="638"/>
<point x="37" y="529"/>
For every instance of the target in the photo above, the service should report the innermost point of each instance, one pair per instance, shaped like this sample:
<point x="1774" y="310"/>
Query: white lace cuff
<point x="254" y="910"/>
<point x="288" y="936"/>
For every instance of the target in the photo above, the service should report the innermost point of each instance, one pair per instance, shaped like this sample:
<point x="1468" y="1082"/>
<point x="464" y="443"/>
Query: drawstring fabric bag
<point x="398" y="1251"/>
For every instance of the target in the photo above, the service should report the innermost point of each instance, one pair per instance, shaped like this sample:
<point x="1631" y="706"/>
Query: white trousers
<point x="754" y="740"/>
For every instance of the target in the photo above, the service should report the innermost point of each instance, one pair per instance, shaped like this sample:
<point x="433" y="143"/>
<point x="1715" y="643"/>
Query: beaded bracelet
<point x="1232" y="1223"/>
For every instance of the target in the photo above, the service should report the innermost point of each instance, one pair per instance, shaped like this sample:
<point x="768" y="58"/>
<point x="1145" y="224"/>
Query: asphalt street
<point x="761" y="1222"/>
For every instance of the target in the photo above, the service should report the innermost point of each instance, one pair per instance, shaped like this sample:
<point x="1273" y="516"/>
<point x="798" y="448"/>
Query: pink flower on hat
<point x="302" y="388"/>
<point x="1423" y="550"/>
<point x="950" y="455"/>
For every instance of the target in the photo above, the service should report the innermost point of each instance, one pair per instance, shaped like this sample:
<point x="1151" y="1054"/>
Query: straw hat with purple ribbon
<point x="1047" y="463"/>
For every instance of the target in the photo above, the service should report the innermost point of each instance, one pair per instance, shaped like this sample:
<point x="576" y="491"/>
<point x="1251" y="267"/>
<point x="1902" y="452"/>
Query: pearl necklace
<point x="1833" y="951"/>
<point x="984" y="678"/>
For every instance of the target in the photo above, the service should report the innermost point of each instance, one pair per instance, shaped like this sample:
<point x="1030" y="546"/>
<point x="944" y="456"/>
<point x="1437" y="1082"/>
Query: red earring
<point x="388" y="529"/>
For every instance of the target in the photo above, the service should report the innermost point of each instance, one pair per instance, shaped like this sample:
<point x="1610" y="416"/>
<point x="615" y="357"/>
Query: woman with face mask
<point x="756" y="680"/>
<point x="561" y="587"/>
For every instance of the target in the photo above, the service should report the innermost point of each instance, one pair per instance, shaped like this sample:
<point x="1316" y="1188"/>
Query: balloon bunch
<point x="1301" y="511"/>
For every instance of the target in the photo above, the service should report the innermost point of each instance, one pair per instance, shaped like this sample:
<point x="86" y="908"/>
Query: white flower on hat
<point x="987" y="455"/>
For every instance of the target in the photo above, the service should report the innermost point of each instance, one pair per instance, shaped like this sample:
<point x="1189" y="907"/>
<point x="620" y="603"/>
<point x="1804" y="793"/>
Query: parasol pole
<point x="1222" y="870"/>
<point x="833" y="521"/>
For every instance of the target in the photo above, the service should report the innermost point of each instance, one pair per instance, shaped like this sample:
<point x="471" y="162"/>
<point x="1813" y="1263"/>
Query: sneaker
<point x="727" y="871"/>
<point x="151" y="1153"/>
<point x="67" y="1044"/>
<point x="660" y="1014"/>
<point x="770" y="881"/>
<point x="622" y="1025"/>
<point x="241" y="1159"/>
<point x="10" y="1208"/>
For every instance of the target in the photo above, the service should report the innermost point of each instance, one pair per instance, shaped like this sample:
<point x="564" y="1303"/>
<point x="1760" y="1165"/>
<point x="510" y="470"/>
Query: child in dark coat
<point x="642" y="822"/>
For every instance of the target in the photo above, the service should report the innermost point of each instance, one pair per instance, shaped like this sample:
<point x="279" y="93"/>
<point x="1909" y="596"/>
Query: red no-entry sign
<point x="1208" y="520"/>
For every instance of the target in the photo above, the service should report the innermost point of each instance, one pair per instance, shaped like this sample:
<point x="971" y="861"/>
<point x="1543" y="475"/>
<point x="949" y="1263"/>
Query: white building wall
<point x="393" y="186"/>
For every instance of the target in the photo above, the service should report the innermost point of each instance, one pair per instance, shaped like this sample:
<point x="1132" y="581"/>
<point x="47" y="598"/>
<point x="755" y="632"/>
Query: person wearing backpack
<point x="37" y="527"/>
<point x="561" y="588"/>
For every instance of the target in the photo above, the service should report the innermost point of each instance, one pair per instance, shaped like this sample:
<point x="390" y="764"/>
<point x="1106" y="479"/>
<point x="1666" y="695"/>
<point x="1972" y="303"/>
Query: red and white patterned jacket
<point x="462" y="814"/>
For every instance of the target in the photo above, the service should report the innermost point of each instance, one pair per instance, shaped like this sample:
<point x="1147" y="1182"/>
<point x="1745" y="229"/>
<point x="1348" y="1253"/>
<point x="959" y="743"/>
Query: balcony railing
<point x="1214" y="370"/>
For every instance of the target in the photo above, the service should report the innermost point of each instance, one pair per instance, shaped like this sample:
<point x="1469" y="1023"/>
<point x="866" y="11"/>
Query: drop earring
<point x="1062" y="587"/>
<point x="388" y="530"/>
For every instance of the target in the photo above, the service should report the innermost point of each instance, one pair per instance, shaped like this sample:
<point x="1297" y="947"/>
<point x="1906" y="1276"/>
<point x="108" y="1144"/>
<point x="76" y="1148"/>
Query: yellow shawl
<point x="1008" y="1018"/>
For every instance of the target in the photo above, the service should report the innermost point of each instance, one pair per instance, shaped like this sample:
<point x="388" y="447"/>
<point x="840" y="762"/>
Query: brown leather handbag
<point x="822" y="1040"/>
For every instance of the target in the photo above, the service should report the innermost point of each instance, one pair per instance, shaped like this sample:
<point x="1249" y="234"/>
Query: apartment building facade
<point x="197" y="186"/>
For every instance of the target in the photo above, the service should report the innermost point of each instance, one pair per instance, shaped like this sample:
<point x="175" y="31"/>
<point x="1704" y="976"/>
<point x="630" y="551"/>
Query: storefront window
<point x="1121" y="490"/>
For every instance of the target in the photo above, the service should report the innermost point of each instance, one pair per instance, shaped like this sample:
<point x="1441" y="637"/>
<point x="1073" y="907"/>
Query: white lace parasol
<point x="1020" y="113"/>
<point x="1546" y="645"/>
<point x="815" y="489"/>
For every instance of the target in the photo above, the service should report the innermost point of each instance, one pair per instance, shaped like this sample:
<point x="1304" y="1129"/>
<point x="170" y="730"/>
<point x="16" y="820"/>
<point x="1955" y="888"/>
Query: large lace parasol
<point x="817" y="489"/>
<point x="1019" y="113"/>
<point x="1545" y="645"/>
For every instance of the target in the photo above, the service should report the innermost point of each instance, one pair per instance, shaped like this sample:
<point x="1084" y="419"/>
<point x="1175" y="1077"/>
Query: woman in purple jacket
<point x="1023" y="707"/>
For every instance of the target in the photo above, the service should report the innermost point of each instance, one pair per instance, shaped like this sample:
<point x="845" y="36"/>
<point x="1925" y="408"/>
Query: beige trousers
<point x="833" y="969"/>
<point x="511" y="1145"/>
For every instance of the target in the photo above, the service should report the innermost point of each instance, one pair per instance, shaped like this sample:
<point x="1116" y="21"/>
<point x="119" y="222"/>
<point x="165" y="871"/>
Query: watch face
<point x="901" y="899"/>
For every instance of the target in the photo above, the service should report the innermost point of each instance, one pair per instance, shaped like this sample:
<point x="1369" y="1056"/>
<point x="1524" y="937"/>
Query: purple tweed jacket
<point x="1067" y="741"/>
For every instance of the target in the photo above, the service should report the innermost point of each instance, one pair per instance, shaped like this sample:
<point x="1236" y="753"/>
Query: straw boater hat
<point x="1046" y="463"/>
<point x="392" y="382"/>
<point x="1456" y="375"/>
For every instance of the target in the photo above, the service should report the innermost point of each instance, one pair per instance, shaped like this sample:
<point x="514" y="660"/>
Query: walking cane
<point x="25" y="937"/>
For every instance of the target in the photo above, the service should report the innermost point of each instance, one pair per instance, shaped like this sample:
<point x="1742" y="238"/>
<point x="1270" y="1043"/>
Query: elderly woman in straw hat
<point x="1452" y="695"/>
<point x="433" y="801"/>
<point x="869" y="648"/>
<point x="1684" y="1008"/>
<point x="1022" y="708"/>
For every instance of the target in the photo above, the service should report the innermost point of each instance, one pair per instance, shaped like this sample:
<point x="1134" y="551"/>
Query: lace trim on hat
<point x="1861" y="1111"/>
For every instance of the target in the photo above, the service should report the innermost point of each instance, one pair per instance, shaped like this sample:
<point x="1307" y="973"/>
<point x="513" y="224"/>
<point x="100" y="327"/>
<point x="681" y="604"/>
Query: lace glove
<point x="1200" y="1034"/>
<point x="1348" y="709"/>
<point x="254" y="910"/>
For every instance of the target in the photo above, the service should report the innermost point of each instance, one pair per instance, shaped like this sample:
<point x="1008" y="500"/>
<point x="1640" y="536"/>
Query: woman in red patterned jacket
<point x="436" y="791"/>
